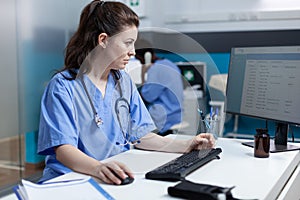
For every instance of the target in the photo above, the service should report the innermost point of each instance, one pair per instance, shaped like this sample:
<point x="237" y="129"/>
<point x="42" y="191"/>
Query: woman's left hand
<point x="202" y="141"/>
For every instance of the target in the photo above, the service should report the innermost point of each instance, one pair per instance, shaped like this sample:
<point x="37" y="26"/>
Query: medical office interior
<point x="197" y="33"/>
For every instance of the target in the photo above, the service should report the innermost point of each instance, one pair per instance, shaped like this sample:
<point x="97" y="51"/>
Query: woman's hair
<point x="97" y="17"/>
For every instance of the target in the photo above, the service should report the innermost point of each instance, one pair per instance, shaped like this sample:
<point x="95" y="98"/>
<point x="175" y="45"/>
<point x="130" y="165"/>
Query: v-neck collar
<point x="94" y="91"/>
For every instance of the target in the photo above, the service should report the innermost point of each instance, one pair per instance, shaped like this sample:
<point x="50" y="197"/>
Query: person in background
<point x="162" y="90"/>
<point x="91" y="110"/>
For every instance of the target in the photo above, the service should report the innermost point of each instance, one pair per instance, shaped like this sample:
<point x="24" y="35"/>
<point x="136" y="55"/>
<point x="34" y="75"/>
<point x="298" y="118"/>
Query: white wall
<point x="224" y="15"/>
<point x="27" y="62"/>
<point x="9" y="124"/>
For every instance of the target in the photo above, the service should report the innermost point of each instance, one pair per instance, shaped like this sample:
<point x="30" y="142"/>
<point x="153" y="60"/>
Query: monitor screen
<point x="193" y="74"/>
<point x="264" y="82"/>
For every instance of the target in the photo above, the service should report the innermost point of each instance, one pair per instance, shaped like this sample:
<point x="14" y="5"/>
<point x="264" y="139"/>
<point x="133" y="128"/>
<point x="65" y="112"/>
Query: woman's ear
<point x="102" y="38"/>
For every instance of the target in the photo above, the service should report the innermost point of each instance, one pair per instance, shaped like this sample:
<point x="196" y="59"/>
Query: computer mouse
<point x="124" y="181"/>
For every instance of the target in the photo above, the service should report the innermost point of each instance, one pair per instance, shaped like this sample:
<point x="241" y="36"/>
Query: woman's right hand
<point x="78" y="161"/>
<point x="109" y="172"/>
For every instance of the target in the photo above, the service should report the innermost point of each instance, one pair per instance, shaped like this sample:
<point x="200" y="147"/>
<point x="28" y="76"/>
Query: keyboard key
<point x="180" y="167"/>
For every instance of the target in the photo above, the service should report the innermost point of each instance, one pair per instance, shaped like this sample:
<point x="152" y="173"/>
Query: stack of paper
<point x="81" y="189"/>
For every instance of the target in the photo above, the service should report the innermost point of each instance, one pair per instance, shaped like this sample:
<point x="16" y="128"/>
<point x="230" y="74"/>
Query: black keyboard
<point x="180" y="167"/>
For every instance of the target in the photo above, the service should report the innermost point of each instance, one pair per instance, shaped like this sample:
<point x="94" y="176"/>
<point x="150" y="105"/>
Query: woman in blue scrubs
<point x="91" y="110"/>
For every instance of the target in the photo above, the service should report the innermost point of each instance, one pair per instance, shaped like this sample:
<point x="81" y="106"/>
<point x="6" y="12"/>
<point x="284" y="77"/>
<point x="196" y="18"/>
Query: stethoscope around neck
<point x="121" y="102"/>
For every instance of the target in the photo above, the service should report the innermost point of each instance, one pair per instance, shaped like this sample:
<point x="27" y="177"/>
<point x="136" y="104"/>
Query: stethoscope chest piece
<point x="98" y="120"/>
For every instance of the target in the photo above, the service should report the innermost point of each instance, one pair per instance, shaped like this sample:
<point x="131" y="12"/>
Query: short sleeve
<point x="57" y="118"/>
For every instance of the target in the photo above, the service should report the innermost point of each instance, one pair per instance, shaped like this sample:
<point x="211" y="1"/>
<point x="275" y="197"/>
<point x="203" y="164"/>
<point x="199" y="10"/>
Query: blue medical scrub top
<point x="163" y="91"/>
<point x="67" y="118"/>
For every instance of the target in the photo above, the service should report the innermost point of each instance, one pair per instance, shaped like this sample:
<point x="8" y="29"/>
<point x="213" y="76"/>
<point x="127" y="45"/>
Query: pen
<point x="215" y="115"/>
<point x="205" y="122"/>
<point x="201" y="114"/>
<point x="65" y="181"/>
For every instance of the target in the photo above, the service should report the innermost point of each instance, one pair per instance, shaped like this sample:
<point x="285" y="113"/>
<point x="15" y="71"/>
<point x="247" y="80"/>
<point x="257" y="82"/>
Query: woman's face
<point x="120" y="47"/>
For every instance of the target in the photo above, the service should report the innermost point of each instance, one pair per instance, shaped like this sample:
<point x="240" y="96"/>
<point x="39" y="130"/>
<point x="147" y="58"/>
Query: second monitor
<point x="193" y="74"/>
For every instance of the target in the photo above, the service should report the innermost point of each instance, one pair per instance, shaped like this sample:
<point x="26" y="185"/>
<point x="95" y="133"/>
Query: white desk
<point x="254" y="178"/>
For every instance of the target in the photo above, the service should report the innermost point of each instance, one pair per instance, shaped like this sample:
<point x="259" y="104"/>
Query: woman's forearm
<point x="76" y="160"/>
<point x="156" y="142"/>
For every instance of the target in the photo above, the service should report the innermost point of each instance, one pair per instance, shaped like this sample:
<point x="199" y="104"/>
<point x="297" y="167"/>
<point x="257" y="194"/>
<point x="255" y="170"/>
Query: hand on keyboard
<point x="202" y="141"/>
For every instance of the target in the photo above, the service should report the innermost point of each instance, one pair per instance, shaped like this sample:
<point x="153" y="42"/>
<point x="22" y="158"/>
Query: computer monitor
<point x="193" y="74"/>
<point x="264" y="82"/>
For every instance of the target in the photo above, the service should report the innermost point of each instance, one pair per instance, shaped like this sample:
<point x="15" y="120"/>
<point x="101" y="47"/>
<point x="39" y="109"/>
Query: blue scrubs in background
<point x="163" y="91"/>
<point x="67" y="118"/>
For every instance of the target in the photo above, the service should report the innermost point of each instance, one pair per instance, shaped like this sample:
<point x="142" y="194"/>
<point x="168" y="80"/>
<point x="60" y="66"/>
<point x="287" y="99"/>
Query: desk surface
<point x="253" y="178"/>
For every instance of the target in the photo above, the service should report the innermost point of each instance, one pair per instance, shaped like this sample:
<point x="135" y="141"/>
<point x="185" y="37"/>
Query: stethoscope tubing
<point x="99" y="121"/>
